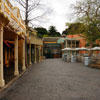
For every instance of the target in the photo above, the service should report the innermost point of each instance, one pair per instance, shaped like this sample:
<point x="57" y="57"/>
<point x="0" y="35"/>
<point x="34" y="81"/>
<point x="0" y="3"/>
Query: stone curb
<point x="11" y="82"/>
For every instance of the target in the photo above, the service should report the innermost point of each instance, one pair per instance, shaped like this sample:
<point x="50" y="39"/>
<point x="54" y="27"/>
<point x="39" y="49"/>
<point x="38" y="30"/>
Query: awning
<point x="95" y="48"/>
<point x="61" y="40"/>
<point x="6" y="43"/>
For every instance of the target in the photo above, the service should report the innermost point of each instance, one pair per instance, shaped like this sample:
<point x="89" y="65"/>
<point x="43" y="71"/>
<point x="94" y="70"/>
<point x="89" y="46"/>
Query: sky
<point x="59" y="15"/>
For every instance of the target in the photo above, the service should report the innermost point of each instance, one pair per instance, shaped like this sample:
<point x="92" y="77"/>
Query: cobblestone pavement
<point x="55" y="79"/>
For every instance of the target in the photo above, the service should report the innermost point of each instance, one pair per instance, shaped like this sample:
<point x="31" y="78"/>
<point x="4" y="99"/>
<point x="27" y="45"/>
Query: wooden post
<point x="30" y="62"/>
<point x="35" y="54"/>
<point x="16" y="57"/>
<point x="2" y="81"/>
<point x="66" y="44"/>
<point x="71" y="47"/>
<point x="39" y="53"/>
<point x="42" y="53"/>
<point x="75" y="47"/>
<point x="23" y="67"/>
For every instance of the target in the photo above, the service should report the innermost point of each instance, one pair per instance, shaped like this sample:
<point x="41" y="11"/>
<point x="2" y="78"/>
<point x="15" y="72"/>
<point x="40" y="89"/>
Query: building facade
<point x="52" y="49"/>
<point x="75" y="41"/>
<point x="12" y="41"/>
<point x="34" y="48"/>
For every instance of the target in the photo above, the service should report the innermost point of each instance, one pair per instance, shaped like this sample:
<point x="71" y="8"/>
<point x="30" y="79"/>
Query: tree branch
<point x="22" y="3"/>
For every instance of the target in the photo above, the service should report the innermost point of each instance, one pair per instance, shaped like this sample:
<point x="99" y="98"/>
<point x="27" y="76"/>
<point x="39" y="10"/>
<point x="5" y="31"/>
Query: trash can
<point x="73" y="59"/>
<point x="86" y="61"/>
<point x="68" y="58"/>
<point x="65" y="57"/>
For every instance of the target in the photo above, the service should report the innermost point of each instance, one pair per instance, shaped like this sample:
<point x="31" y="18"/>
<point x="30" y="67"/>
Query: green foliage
<point x="57" y="34"/>
<point x="41" y="31"/>
<point x="88" y="13"/>
<point x="92" y="32"/>
<point x="45" y="35"/>
<point x="64" y="32"/>
<point x="53" y="32"/>
<point x="75" y="28"/>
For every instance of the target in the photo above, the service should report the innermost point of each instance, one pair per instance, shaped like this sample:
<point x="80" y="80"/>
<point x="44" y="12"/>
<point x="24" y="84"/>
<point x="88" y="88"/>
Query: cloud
<point x="59" y="16"/>
<point x="61" y="10"/>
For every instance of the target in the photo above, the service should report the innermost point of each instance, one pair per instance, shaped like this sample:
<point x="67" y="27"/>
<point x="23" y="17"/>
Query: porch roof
<point x="11" y="18"/>
<point x="50" y="39"/>
<point x="35" y="40"/>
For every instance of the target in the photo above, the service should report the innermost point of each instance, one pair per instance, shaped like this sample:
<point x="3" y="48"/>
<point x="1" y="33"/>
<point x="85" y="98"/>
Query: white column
<point x="16" y="72"/>
<point x="71" y="46"/>
<point x="75" y="47"/>
<point x="39" y="53"/>
<point x="2" y="82"/>
<point x="30" y="62"/>
<point x="35" y="54"/>
<point x="23" y="67"/>
<point x="66" y="44"/>
<point x="42" y="53"/>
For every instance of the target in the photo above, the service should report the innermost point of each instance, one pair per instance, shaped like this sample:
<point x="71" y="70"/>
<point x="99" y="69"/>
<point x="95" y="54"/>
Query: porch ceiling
<point x="35" y="40"/>
<point x="9" y="35"/>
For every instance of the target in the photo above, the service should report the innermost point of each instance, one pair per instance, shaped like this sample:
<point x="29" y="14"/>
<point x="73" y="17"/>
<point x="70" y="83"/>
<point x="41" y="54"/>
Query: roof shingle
<point x="50" y="39"/>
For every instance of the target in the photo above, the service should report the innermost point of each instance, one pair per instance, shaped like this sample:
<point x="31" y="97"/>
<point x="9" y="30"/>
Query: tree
<point x="88" y="13"/>
<point x="33" y="11"/>
<point x="57" y="34"/>
<point x="41" y="31"/>
<point x="45" y="35"/>
<point x="75" y="28"/>
<point x="64" y="32"/>
<point x="53" y="32"/>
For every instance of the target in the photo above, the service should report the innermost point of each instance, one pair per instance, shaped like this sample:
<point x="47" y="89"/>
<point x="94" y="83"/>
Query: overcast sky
<point x="61" y="10"/>
<point x="61" y="13"/>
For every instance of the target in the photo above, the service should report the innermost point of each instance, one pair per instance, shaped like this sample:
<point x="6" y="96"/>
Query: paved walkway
<point x="54" y="79"/>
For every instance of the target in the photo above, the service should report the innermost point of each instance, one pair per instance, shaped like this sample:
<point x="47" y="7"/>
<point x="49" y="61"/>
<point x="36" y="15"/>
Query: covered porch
<point x="12" y="43"/>
<point x="12" y="62"/>
<point x="34" y="50"/>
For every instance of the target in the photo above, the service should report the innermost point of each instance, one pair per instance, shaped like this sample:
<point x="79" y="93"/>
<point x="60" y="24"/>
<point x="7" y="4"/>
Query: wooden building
<point x="12" y="40"/>
<point x="34" y="48"/>
<point x="52" y="49"/>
